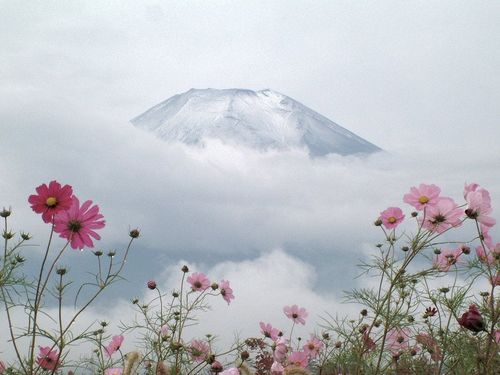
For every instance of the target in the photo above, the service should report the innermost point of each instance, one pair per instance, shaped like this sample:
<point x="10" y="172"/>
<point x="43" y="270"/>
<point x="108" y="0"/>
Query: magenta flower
<point x="313" y="347"/>
<point x="198" y="281"/>
<point x="78" y="224"/>
<point x="226" y="291"/>
<point x="277" y="369"/>
<point x="423" y="196"/>
<point x="269" y="331"/>
<point x="298" y="358"/>
<point x="391" y="217"/>
<point x="296" y="314"/>
<point x="446" y="259"/>
<point x="114" y="345"/>
<point x="442" y="216"/>
<point x="398" y="340"/>
<point x="113" y="371"/>
<point x="48" y="359"/>
<point x="472" y="320"/>
<point x="51" y="199"/>
<point x="152" y="284"/>
<point x="199" y="350"/>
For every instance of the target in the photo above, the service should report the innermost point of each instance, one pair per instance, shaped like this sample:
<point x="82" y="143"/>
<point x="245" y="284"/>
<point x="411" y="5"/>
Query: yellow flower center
<point x="423" y="199"/>
<point x="51" y="201"/>
<point x="392" y="220"/>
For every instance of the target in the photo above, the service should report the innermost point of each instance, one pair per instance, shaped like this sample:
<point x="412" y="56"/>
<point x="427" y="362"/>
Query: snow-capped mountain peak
<point x="262" y="120"/>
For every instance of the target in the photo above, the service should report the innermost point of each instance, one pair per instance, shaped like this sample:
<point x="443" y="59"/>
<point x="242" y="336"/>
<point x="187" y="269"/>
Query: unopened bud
<point x="5" y="213"/>
<point x="444" y="290"/>
<point x="134" y="233"/>
<point x="364" y="312"/>
<point x="244" y="355"/>
<point x="152" y="284"/>
<point x="175" y="294"/>
<point x="20" y="259"/>
<point x="378" y="222"/>
<point x="325" y="336"/>
<point x="465" y="250"/>
<point x="111" y="254"/>
<point x="338" y="344"/>
<point x="98" y="253"/>
<point x="25" y="236"/>
<point x="61" y="271"/>
<point x="214" y="286"/>
<point x="7" y="235"/>
<point x="405" y="248"/>
<point x="414" y="214"/>
<point x="185" y="269"/>
<point x="437" y="251"/>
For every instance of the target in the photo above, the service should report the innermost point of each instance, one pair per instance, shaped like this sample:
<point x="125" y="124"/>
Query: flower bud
<point x="97" y="253"/>
<point x="326" y="336"/>
<point x="472" y="320"/>
<point x="111" y="254"/>
<point x="444" y="290"/>
<point x="20" y="259"/>
<point x="216" y="367"/>
<point x="104" y="324"/>
<point x="5" y="213"/>
<point x="61" y="271"/>
<point x="378" y="222"/>
<point x="152" y="284"/>
<point x="244" y="355"/>
<point x="135" y="301"/>
<point x="185" y="269"/>
<point x="175" y="294"/>
<point x="134" y="233"/>
<point x="465" y="250"/>
<point x="414" y="214"/>
<point x="405" y="248"/>
<point x="214" y="286"/>
<point x="7" y="235"/>
<point x="437" y="251"/>
<point x="338" y="344"/>
<point x="25" y="236"/>
<point x="364" y="312"/>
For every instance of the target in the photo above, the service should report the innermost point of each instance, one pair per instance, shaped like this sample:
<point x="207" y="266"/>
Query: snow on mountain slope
<point x="262" y="120"/>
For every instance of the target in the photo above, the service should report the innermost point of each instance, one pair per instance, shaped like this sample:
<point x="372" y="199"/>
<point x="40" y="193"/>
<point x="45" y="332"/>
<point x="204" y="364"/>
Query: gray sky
<point x="419" y="79"/>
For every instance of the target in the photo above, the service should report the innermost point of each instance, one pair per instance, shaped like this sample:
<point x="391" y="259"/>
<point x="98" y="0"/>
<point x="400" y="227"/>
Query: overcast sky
<point x="419" y="79"/>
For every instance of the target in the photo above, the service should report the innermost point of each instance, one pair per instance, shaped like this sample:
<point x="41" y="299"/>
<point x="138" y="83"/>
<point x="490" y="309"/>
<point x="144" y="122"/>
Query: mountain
<point x="262" y="120"/>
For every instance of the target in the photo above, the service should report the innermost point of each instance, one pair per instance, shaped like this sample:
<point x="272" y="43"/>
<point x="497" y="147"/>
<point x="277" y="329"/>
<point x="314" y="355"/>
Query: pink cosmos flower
<point x="48" y="359"/>
<point x="231" y="371"/>
<point x="446" y="259"/>
<point x="2" y="367"/>
<point x="423" y="196"/>
<point x="226" y="291"/>
<point x="368" y="342"/>
<point x="479" y="207"/>
<point x="295" y="313"/>
<point x="428" y="343"/>
<point x="469" y="187"/>
<point x="113" y="371"/>
<point x="391" y="217"/>
<point x="269" y="331"/>
<point x="488" y="256"/>
<point x="495" y="280"/>
<point x="313" y="347"/>
<point x="398" y="340"/>
<point x="277" y="369"/>
<point x="78" y="224"/>
<point x="198" y="281"/>
<point x="298" y="358"/>
<point x="114" y="345"/>
<point x="280" y="350"/>
<point x="443" y="215"/>
<point x="199" y="350"/>
<point x="51" y="199"/>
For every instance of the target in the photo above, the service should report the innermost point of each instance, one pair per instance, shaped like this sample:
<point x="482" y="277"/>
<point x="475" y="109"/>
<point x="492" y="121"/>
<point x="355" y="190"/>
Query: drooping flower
<point x="113" y="371"/>
<point x="398" y="340"/>
<point x="226" y="291"/>
<point x="199" y="350"/>
<point x="231" y="371"/>
<point x="199" y="281"/>
<point x="443" y="215"/>
<point x="446" y="259"/>
<point x="428" y="343"/>
<point x="269" y="331"/>
<point x="48" y="359"/>
<point x="114" y="345"/>
<point x="472" y="319"/>
<point x="479" y="206"/>
<point x="280" y="350"/>
<point x="51" y="199"/>
<point x="298" y="358"/>
<point x="423" y="196"/>
<point x="78" y="224"/>
<point x="391" y="217"/>
<point x="313" y="347"/>
<point x="295" y="313"/>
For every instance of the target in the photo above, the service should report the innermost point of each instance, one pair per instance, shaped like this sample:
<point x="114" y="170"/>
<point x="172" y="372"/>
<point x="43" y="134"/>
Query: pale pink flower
<point x="277" y="369"/>
<point x="298" y="358"/>
<point x="78" y="224"/>
<point x="198" y="281"/>
<point x="2" y="367"/>
<point x="446" y="259"/>
<point x="368" y="342"/>
<point x="423" y="196"/>
<point x="114" y="345"/>
<point x="313" y="346"/>
<point x="230" y="371"/>
<point x="269" y="331"/>
<point x="113" y="371"/>
<point x="495" y="280"/>
<point x="479" y="207"/>
<point x="51" y="199"/>
<point x="199" y="350"/>
<point x="295" y="313"/>
<point x="226" y="291"/>
<point x="391" y="217"/>
<point x="490" y="255"/>
<point x="443" y="215"/>
<point x="280" y="350"/>
<point x="48" y="359"/>
<point x="469" y="187"/>
<point x="164" y="330"/>
<point x="487" y="239"/>
<point x="497" y="336"/>
<point x="398" y="340"/>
